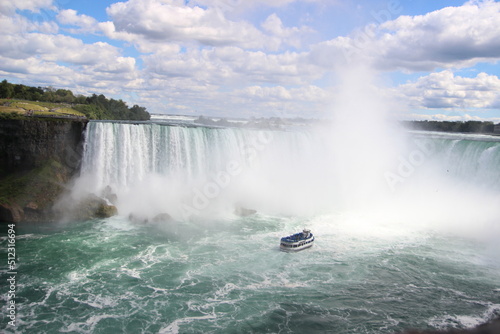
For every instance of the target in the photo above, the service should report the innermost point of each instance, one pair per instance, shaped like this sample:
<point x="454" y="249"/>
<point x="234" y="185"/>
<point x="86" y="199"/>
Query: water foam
<point x="376" y="182"/>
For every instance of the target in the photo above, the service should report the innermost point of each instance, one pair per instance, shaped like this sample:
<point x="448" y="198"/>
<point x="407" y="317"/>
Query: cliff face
<point x="27" y="144"/>
<point x="37" y="158"/>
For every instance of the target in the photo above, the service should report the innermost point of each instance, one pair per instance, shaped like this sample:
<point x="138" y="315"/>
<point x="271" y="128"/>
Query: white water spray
<point x="363" y="166"/>
<point x="389" y="177"/>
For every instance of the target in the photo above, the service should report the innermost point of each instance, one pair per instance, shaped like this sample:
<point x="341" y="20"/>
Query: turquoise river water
<point x="416" y="248"/>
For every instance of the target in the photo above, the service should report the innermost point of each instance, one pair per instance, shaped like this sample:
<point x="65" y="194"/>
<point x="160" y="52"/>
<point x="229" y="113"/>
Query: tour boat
<point x="297" y="241"/>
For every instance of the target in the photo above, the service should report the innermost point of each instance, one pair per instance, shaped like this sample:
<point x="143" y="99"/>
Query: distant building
<point x="496" y="129"/>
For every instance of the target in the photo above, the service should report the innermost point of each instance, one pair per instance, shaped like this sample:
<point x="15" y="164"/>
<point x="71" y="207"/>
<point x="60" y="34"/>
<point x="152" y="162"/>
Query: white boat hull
<point x="296" y="246"/>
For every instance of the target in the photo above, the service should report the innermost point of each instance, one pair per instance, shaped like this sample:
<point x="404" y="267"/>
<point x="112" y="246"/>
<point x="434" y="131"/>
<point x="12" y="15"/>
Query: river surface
<point x="422" y="252"/>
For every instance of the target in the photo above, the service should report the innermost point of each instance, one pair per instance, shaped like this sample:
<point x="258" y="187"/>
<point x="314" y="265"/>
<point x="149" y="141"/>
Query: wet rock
<point x="11" y="213"/>
<point x="162" y="217"/>
<point x="243" y="212"/>
<point x="106" y="211"/>
<point x="34" y="213"/>
<point x="159" y="218"/>
<point x="37" y="160"/>
<point x="27" y="144"/>
<point x="31" y="206"/>
<point x="89" y="207"/>
<point x="108" y="194"/>
<point x="134" y="218"/>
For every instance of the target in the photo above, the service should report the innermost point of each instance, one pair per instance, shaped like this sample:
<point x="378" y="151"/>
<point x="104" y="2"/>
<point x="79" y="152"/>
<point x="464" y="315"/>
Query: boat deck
<point x="297" y="241"/>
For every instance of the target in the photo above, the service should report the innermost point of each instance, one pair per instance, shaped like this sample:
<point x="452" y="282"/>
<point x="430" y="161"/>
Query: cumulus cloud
<point x="119" y="65"/>
<point x="168" y="21"/>
<point x="200" y="55"/>
<point x="451" y="37"/>
<point x="268" y="93"/>
<point x="307" y="93"/>
<point x="245" y="5"/>
<point x="17" y="25"/>
<point x="85" y="23"/>
<point x="289" y="36"/>
<point x="37" y="54"/>
<point x="446" y="90"/>
<point x="184" y="95"/>
<point x="174" y="22"/>
<point x="233" y="66"/>
<point x="282" y="101"/>
<point x="9" y="7"/>
<point x="193" y="57"/>
<point x="60" y="48"/>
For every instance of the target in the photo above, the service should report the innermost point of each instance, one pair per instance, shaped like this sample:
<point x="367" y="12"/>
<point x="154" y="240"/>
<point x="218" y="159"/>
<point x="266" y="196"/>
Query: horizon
<point x="241" y="59"/>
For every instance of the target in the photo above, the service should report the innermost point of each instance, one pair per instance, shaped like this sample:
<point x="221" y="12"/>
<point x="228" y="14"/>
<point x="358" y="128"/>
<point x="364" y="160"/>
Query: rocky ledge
<point x="38" y="159"/>
<point x="86" y="207"/>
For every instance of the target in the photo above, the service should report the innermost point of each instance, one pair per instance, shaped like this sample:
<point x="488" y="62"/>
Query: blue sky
<point x="242" y="58"/>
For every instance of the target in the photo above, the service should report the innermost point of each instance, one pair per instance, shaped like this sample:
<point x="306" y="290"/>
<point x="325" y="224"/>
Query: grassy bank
<point x="34" y="108"/>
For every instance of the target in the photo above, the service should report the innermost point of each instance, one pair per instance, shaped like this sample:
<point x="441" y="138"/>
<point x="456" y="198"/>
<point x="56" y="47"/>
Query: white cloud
<point x="240" y="6"/>
<point x="59" y="48"/>
<point x="445" y="90"/>
<point x="447" y="38"/>
<point x="201" y="56"/>
<point x="162" y="21"/>
<point x="268" y="93"/>
<point x="85" y="23"/>
<point x="450" y="37"/>
<point x="232" y="66"/>
<point x="17" y="25"/>
<point x="289" y="36"/>
<point x="119" y="65"/>
<point x="45" y="58"/>
<point x="303" y="94"/>
<point x="8" y="7"/>
<point x="108" y="79"/>
<point x="183" y="95"/>
<point x="193" y="57"/>
<point x="32" y="67"/>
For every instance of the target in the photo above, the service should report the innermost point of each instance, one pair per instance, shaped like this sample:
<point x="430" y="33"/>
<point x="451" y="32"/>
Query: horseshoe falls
<point x="406" y="234"/>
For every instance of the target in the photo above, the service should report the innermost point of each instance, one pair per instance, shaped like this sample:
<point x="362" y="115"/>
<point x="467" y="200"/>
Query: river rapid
<point x="408" y="240"/>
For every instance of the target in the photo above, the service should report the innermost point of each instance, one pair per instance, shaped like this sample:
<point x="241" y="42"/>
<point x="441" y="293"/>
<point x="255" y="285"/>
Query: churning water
<point x="411" y="245"/>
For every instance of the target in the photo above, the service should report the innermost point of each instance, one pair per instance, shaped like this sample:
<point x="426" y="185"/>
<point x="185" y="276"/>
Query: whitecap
<point x="87" y="326"/>
<point x="120" y="223"/>
<point x="173" y="328"/>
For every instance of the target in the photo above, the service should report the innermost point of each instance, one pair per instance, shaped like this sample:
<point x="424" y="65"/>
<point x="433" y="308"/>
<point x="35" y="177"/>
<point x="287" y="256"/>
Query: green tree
<point x="35" y="93"/>
<point x="117" y="109"/>
<point x="21" y="92"/>
<point x="6" y="90"/>
<point x="139" y="113"/>
<point x="92" y="111"/>
<point x="64" y="95"/>
<point x="94" y="106"/>
<point x="80" y="99"/>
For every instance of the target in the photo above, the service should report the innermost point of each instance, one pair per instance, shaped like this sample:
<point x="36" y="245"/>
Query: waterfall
<point x="174" y="166"/>
<point x="157" y="168"/>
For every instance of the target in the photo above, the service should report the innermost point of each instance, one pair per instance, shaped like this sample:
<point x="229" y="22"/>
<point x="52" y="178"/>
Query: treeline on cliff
<point x="94" y="107"/>
<point x="447" y="126"/>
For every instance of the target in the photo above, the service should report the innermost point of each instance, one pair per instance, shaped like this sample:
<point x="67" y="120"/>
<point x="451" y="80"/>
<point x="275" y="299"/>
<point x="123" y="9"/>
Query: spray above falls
<point x="361" y="162"/>
<point x="200" y="171"/>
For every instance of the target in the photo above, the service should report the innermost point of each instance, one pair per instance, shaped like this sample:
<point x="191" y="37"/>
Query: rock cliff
<point x="37" y="159"/>
<point x="30" y="143"/>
